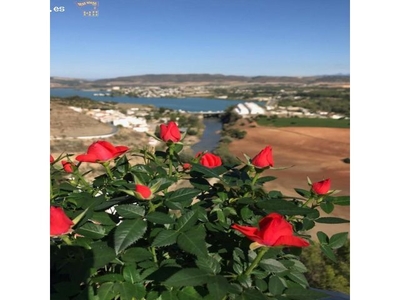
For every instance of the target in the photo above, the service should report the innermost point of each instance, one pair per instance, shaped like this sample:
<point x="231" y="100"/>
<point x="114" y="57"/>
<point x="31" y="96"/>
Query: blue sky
<point x="230" y="37"/>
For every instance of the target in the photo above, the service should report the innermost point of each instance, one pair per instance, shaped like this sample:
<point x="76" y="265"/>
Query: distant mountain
<point x="196" y="79"/>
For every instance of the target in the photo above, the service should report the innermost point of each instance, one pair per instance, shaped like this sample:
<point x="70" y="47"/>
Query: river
<point x="211" y="136"/>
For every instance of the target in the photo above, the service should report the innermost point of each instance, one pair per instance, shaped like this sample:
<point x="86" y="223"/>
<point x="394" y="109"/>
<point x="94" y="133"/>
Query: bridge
<point x="208" y="114"/>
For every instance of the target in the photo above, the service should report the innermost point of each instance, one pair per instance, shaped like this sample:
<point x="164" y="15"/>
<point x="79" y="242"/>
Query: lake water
<point x="211" y="136"/>
<point x="187" y="104"/>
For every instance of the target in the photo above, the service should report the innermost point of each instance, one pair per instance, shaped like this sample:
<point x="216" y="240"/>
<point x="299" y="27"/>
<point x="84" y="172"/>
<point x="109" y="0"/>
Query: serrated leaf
<point x="218" y="287"/>
<point x="272" y="265"/>
<point x="127" y="233"/>
<point x="298" y="277"/>
<point x="331" y="220"/>
<point x="131" y="274"/>
<point x="298" y="266"/>
<point x="159" y="218"/>
<point x="208" y="264"/>
<point x="128" y="291"/>
<point x="100" y="254"/>
<point x="130" y="210"/>
<point x="91" y="230"/>
<point x="276" y="285"/>
<point x="136" y="255"/>
<point x="164" y="238"/>
<point x="338" y="240"/>
<point x="183" y="194"/>
<point x="189" y="293"/>
<point x="106" y="291"/>
<point x="186" y="221"/>
<point x="193" y="241"/>
<point x="187" y="277"/>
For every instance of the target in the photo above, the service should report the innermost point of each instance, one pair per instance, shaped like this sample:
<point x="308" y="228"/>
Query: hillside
<point x="197" y="79"/>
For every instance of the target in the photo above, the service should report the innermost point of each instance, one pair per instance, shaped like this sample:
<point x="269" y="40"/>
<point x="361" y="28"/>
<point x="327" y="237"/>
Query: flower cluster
<point x="172" y="229"/>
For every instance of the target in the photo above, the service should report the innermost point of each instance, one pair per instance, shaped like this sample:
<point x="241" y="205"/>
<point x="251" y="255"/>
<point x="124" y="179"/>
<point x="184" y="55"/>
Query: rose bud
<point x="264" y="158"/>
<point x="59" y="222"/>
<point x="68" y="166"/>
<point x="51" y="159"/>
<point x="209" y="160"/>
<point x="273" y="231"/>
<point x="143" y="192"/>
<point x="170" y="132"/>
<point x="321" y="187"/>
<point x="101" y="151"/>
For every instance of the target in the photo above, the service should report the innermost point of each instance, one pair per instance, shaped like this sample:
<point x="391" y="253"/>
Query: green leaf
<point x="265" y="179"/>
<point x="186" y="221"/>
<point x="165" y="238"/>
<point x="283" y="207"/>
<point x="187" y="277"/>
<point x="101" y="254"/>
<point x="106" y="291"/>
<point x="200" y="183"/>
<point x="208" y="264"/>
<point x="130" y="210"/>
<point x="103" y="218"/>
<point x="189" y="293"/>
<point x="272" y="265"/>
<point x="159" y="218"/>
<point x="331" y="220"/>
<point x="276" y="285"/>
<point x="91" y="230"/>
<point x="299" y="293"/>
<point x="341" y="200"/>
<point x="322" y="238"/>
<point x="299" y="278"/>
<point x="108" y="278"/>
<point x="129" y="291"/>
<point x="338" y="240"/>
<point x="182" y="195"/>
<point x="205" y="171"/>
<point x="303" y="193"/>
<point x="136" y="254"/>
<point x="298" y="266"/>
<point x="193" y="241"/>
<point x="168" y="295"/>
<point x="252" y="294"/>
<point x="327" y="207"/>
<point x="328" y="252"/>
<point x="131" y="274"/>
<point x="127" y="233"/>
<point x="218" y="287"/>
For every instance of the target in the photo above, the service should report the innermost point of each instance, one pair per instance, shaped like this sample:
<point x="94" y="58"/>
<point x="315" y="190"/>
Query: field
<point x="304" y="122"/>
<point x="309" y="151"/>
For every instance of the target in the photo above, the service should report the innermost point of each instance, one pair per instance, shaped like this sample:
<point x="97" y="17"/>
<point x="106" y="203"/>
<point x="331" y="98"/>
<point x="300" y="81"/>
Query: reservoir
<point x="186" y="104"/>
<point x="211" y="135"/>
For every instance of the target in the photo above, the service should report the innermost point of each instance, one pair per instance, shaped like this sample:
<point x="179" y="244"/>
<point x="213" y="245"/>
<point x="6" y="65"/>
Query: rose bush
<point x="171" y="229"/>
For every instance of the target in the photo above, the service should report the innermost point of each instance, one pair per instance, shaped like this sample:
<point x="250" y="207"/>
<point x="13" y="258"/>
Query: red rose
<point x="321" y="187"/>
<point x="59" y="222"/>
<point x="273" y="231"/>
<point x="170" y="132"/>
<point x="101" y="151"/>
<point x="67" y="166"/>
<point x="143" y="191"/>
<point x="51" y="159"/>
<point x="210" y="160"/>
<point x="186" y="166"/>
<point x="264" y="158"/>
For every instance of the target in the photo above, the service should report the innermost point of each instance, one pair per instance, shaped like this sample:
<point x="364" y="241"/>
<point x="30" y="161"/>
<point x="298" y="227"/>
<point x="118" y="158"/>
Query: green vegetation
<point x="325" y="274"/>
<point x="302" y="122"/>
